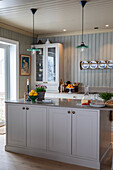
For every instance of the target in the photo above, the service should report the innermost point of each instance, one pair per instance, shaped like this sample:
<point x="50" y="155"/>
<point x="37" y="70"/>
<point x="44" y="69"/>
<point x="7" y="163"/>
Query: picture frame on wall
<point x="25" y="65"/>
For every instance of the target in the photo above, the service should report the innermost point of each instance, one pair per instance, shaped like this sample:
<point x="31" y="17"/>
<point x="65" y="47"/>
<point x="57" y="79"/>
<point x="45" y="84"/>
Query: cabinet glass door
<point x="51" y="64"/>
<point x="39" y="64"/>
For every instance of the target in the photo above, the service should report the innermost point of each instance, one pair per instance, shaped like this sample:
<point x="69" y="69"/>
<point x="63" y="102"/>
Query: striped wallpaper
<point x="100" y="48"/>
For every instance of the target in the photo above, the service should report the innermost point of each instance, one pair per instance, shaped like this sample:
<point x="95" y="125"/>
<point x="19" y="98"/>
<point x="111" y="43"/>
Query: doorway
<point x="2" y="86"/>
<point x="9" y="75"/>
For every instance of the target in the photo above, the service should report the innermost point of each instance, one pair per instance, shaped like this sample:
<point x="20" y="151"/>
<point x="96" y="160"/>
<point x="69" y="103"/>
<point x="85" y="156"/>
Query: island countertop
<point x="58" y="102"/>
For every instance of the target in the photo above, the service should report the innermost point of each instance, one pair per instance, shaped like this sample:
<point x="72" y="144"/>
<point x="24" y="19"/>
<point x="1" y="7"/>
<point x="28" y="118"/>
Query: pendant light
<point x="33" y="49"/>
<point x="82" y="45"/>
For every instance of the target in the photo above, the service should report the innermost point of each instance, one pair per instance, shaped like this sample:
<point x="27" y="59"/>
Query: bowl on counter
<point x="33" y="98"/>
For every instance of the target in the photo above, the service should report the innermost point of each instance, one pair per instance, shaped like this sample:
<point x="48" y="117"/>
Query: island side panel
<point x="105" y="131"/>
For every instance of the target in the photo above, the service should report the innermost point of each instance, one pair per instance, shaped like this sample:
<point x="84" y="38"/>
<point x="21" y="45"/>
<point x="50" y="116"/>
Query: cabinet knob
<point x="73" y="112"/>
<point x="27" y="108"/>
<point x="69" y="112"/>
<point x="23" y="108"/>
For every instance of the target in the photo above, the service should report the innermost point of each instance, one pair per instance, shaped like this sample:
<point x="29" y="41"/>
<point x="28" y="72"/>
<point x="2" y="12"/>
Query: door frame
<point x="5" y="41"/>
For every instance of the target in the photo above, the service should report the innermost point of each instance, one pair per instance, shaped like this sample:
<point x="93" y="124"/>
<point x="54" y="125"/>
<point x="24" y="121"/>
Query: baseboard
<point x="57" y="157"/>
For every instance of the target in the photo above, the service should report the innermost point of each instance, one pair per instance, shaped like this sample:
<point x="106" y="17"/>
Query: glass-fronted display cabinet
<point x="47" y="67"/>
<point x="39" y="65"/>
<point x="51" y="64"/>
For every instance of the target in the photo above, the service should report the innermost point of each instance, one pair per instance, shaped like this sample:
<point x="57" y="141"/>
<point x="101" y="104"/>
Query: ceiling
<point x="55" y="15"/>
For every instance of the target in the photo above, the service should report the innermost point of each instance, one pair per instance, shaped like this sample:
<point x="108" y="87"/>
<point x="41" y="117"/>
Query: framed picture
<point x="25" y="65"/>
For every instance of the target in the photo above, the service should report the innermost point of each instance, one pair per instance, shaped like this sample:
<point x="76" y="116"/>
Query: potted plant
<point x="40" y="89"/>
<point x="106" y="96"/>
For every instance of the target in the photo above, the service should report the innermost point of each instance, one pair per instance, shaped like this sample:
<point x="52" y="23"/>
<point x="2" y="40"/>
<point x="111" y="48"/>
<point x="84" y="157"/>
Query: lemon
<point x="30" y="94"/>
<point x="35" y="94"/>
<point x="32" y="91"/>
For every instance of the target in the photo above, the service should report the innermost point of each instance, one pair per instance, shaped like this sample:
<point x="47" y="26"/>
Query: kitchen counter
<point x="59" y="102"/>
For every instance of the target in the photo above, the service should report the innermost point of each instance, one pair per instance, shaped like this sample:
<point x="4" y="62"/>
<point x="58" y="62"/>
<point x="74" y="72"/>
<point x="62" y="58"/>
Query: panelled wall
<point x="24" y="44"/>
<point x="100" y="48"/>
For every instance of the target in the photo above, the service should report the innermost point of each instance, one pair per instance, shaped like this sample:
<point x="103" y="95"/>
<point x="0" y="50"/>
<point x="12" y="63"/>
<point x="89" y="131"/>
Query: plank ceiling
<point x="54" y="15"/>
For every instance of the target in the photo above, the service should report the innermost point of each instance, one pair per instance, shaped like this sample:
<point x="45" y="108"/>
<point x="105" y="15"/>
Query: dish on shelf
<point x="101" y="64"/>
<point x="84" y="65"/>
<point x="93" y="64"/>
<point x="97" y="104"/>
<point x="110" y="64"/>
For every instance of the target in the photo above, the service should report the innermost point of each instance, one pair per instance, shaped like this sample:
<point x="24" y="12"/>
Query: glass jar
<point x="86" y="100"/>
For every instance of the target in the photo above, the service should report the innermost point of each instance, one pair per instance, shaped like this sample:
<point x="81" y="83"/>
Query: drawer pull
<point x="73" y="112"/>
<point x="23" y="108"/>
<point x="27" y="108"/>
<point x="69" y="112"/>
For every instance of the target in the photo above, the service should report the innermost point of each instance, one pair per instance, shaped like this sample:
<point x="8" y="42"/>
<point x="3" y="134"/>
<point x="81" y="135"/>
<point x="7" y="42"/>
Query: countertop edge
<point x="65" y="103"/>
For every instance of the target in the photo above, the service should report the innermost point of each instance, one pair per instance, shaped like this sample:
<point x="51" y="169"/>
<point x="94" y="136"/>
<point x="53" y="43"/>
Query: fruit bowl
<point x="33" y="98"/>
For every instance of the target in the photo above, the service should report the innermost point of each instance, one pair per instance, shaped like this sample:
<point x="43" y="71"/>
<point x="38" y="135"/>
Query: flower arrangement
<point x="40" y="88"/>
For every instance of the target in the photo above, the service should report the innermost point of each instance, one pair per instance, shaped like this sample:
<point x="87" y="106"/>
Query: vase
<point x="41" y="96"/>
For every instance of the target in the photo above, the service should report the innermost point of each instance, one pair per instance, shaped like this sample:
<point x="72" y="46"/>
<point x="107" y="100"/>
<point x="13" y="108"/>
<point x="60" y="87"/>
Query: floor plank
<point x="13" y="161"/>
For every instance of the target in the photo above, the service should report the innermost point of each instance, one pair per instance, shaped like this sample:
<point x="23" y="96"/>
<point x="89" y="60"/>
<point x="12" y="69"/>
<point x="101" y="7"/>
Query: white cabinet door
<point x="85" y="135"/>
<point x="36" y="127"/>
<point x="16" y="120"/>
<point x="39" y="64"/>
<point x="52" y="61"/>
<point x="59" y="130"/>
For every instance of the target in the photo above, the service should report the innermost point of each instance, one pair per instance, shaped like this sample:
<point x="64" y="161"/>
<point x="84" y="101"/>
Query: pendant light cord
<point x="33" y="30"/>
<point x="82" y="22"/>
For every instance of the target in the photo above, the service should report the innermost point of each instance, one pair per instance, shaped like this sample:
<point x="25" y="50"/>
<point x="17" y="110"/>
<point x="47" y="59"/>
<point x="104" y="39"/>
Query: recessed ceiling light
<point x="64" y="30"/>
<point x="96" y="28"/>
<point x="107" y="25"/>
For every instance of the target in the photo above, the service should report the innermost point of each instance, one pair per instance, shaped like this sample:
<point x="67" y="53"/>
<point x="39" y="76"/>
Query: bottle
<point x="61" y="88"/>
<point x="61" y="82"/>
<point x="25" y="96"/>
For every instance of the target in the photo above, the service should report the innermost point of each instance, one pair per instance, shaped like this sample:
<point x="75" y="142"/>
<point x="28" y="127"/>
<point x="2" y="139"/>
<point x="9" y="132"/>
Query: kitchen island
<point x="62" y="131"/>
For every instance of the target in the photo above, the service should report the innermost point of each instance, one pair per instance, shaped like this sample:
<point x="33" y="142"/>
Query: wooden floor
<point x="12" y="161"/>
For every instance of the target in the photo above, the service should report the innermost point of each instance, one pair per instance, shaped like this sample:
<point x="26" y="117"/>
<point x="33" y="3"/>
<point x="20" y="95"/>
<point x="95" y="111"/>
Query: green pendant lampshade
<point x="33" y="49"/>
<point x="33" y="10"/>
<point x="82" y="45"/>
